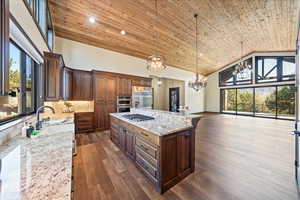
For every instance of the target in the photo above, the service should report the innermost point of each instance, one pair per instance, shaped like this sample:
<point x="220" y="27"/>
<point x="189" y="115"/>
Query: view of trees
<point x="265" y="100"/>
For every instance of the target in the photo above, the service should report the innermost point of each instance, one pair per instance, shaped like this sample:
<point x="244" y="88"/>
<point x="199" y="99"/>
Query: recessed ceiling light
<point x="201" y="54"/>
<point x="123" y="32"/>
<point x="92" y="20"/>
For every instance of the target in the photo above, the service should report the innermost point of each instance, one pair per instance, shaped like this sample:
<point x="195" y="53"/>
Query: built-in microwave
<point x="123" y="104"/>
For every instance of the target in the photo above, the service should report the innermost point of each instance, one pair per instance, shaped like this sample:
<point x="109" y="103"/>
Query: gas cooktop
<point x="137" y="117"/>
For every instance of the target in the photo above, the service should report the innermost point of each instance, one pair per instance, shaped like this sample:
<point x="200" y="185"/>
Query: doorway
<point x="174" y="99"/>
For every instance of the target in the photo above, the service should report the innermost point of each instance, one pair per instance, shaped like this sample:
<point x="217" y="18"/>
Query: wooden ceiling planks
<point x="263" y="25"/>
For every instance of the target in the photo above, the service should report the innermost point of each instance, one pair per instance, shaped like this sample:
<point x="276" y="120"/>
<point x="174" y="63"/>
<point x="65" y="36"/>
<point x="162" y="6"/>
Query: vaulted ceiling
<point x="263" y="25"/>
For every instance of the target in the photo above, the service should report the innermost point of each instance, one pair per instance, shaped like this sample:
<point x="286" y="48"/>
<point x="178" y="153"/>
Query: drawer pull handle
<point x="144" y="134"/>
<point x="145" y="148"/>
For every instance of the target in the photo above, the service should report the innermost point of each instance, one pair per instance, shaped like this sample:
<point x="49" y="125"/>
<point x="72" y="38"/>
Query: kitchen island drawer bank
<point x="165" y="155"/>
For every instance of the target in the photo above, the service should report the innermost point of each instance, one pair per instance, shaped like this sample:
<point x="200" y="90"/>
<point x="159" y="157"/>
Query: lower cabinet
<point x="130" y="144"/>
<point x="84" y="122"/>
<point x="166" y="162"/>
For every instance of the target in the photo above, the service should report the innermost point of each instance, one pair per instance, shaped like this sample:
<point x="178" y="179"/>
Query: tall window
<point x="11" y="105"/>
<point x="228" y="101"/>
<point x="20" y="100"/>
<point x="41" y="15"/>
<point x="245" y="101"/>
<point x="265" y="101"/>
<point x="274" y="69"/>
<point x="269" y="101"/>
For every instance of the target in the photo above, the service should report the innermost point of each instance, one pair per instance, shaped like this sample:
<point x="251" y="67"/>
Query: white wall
<point x="212" y="92"/>
<point x="82" y="56"/>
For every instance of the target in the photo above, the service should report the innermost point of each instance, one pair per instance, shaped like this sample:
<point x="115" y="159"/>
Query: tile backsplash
<point x="65" y="109"/>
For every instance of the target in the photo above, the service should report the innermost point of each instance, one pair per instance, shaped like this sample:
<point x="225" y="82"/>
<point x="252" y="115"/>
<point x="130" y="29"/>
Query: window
<point x="269" y="101"/>
<point x="265" y="101"/>
<point x="228" y="98"/>
<point x="245" y="101"/>
<point x="286" y="101"/>
<point x="29" y="84"/>
<point x="273" y="69"/>
<point x="227" y="77"/>
<point x="20" y="100"/>
<point x="41" y="15"/>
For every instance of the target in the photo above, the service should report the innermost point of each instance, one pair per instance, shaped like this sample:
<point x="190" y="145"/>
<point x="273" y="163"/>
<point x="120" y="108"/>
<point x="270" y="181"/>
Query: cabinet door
<point x="101" y="120"/>
<point x="82" y="85"/>
<point x="105" y="94"/>
<point x="130" y="144"/>
<point x="169" y="158"/>
<point x="52" y="79"/>
<point x="122" y="137"/>
<point x="68" y="84"/>
<point x="128" y="87"/>
<point x="114" y="136"/>
<point x="184" y="149"/>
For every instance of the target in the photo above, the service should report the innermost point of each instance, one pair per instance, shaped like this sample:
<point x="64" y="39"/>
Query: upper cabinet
<point x="143" y="82"/>
<point x="124" y="86"/>
<point x="82" y="85"/>
<point x="53" y="76"/>
<point x="68" y="84"/>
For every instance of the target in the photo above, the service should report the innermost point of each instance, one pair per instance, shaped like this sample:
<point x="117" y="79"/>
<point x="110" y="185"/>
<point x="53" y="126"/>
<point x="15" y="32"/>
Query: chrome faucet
<point x="39" y="123"/>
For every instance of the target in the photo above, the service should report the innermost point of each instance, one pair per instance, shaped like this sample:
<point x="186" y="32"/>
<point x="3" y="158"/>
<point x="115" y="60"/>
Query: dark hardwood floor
<point x="236" y="158"/>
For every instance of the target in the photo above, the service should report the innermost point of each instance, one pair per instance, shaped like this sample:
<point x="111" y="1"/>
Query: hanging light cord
<point x="156" y="31"/>
<point x="196" y="15"/>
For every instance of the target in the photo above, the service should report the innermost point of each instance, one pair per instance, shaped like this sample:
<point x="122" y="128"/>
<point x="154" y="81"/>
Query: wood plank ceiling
<point x="263" y="25"/>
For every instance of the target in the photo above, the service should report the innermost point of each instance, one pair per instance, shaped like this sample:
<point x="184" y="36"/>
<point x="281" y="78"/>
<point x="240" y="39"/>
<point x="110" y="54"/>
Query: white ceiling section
<point x="20" y="12"/>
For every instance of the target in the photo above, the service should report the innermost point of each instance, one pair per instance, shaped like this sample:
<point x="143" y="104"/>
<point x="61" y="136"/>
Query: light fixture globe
<point x="155" y="63"/>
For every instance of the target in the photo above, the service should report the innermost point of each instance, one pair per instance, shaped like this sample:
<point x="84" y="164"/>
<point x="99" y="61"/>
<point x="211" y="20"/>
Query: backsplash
<point x="64" y="109"/>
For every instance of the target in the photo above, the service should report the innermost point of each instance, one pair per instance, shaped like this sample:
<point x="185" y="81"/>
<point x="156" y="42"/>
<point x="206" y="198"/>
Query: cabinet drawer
<point x="147" y="166"/>
<point x="149" y="137"/>
<point x="147" y="157"/>
<point x="147" y="148"/>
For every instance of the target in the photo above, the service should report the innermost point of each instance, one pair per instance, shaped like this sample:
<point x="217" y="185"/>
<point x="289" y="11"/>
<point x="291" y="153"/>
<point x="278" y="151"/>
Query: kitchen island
<point x="162" y="144"/>
<point x="40" y="167"/>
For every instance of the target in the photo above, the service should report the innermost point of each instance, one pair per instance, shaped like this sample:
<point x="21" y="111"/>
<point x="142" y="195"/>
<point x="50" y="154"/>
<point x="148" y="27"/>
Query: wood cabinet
<point x="68" y="84"/>
<point x="164" y="160"/>
<point x="143" y="82"/>
<point x="124" y="86"/>
<point x="53" y="76"/>
<point x="130" y="144"/>
<point x="84" y="122"/>
<point x="82" y="85"/>
<point x="177" y="157"/>
<point x="105" y="98"/>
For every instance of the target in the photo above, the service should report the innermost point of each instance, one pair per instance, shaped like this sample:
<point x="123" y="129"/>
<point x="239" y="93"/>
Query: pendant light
<point x="198" y="83"/>
<point x="155" y="62"/>
<point x="243" y="68"/>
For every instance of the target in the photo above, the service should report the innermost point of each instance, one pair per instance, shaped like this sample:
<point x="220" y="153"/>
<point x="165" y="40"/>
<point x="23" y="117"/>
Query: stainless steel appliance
<point x="123" y="104"/>
<point x="137" y="117"/>
<point x="142" y="97"/>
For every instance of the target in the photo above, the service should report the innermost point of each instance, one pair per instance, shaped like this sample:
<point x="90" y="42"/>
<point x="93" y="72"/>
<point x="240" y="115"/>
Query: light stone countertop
<point x="38" y="168"/>
<point x="164" y="123"/>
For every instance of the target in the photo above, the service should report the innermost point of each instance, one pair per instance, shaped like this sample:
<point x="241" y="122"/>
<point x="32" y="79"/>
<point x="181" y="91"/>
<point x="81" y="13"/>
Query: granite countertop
<point x="38" y="168"/>
<point x="164" y="123"/>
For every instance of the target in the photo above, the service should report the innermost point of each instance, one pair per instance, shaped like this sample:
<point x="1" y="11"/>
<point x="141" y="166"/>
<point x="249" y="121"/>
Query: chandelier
<point x="243" y="68"/>
<point x="155" y="63"/>
<point x="199" y="82"/>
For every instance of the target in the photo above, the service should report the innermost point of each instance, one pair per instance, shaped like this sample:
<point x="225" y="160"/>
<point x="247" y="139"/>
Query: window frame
<point x="254" y="103"/>
<point x="24" y="111"/>
<point x="235" y="81"/>
<point x="33" y="12"/>
<point x="279" y="69"/>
